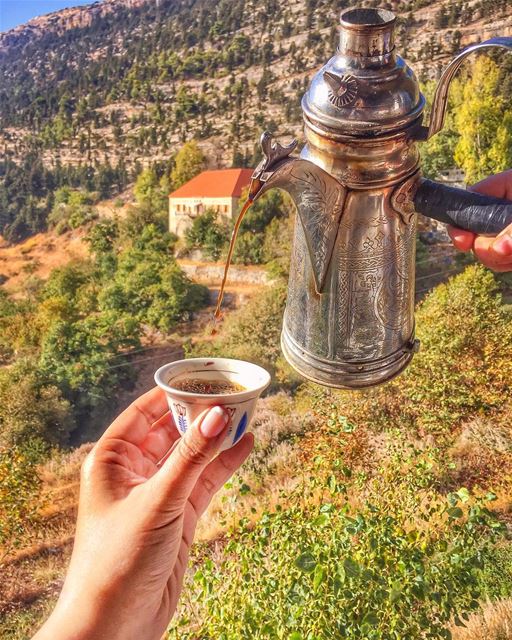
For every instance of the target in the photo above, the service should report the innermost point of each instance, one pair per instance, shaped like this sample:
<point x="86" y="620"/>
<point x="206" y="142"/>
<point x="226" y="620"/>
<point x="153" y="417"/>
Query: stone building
<point x="218" y="189"/>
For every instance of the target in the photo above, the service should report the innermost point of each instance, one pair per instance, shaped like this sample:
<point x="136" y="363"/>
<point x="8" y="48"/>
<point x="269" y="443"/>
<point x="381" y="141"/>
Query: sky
<point x="15" y="12"/>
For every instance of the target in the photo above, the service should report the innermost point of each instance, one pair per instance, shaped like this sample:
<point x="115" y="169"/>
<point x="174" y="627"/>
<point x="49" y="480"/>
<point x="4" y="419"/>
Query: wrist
<point x="79" y="615"/>
<point x="79" y="620"/>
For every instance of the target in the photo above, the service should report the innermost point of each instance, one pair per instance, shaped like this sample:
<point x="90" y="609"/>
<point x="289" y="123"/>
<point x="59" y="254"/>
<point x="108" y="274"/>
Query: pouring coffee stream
<point x="357" y="186"/>
<point x="246" y="206"/>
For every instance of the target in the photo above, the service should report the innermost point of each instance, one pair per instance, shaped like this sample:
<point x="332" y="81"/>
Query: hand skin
<point x="493" y="252"/>
<point x="136" y="521"/>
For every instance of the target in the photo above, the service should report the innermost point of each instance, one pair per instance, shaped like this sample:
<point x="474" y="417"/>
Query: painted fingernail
<point x="213" y="423"/>
<point x="503" y="245"/>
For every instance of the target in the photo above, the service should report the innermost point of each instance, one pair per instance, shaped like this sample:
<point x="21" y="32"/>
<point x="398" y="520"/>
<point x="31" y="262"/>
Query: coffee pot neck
<point x="366" y="89"/>
<point x="366" y="34"/>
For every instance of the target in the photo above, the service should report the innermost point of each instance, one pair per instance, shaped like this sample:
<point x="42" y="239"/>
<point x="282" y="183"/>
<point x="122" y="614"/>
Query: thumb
<point x="502" y="246"/>
<point x="193" y="451"/>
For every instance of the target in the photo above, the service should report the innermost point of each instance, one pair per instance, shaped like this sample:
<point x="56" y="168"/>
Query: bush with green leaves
<point x="78" y="356"/>
<point x="32" y="406"/>
<point x="20" y="487"/>
<point x="252" y="245"/>
<point x="63" y="344"/>
<point x="277" y="246"/>
<point x="151" y="190"/>
<point x="207" y="234"/>
<point x="463" y="368"/>
<point x="149" y="286"/>
<point x="252" y="332"/>
<point x="495" y="579"/>
<point x="335" y="570"/>
<point x="72" y="209"/>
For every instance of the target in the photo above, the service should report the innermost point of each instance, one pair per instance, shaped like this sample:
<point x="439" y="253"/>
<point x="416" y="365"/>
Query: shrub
<point x="339" y="571"/>
<point x="32" y="407"/>
<point x="463" y="368"/>
<point x="252" y="332"/>
<point x="190" y="160"/>
<point x="251" y="243"/>
<point x="207" y="234"/>
<point x="495" y="580"/>
<point x="71" y="210"/>
<point x="277" y="246"/>
<point x="20" y="487"/>
<point x="149" y="286"/>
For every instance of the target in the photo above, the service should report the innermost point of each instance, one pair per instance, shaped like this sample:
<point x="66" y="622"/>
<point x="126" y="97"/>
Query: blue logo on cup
<point x="182" y="420"/>
<point x="242" y="426"/>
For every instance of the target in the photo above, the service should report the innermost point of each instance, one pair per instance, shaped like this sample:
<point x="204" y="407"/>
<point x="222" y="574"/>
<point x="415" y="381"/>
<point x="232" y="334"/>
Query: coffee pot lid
<point x="366" y="89"/>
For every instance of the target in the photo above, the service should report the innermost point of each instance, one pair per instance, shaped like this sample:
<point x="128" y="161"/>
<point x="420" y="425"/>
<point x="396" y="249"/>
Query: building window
<point x="226" y="208"/>
<point x="178" y="208"/>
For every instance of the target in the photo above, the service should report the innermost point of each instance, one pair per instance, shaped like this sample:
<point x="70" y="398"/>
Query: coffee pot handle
<point x="440" y="101"/>
<point x="464" y="209"/>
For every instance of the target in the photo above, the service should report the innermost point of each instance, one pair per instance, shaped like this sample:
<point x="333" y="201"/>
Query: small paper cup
<point x="186" y="406"/>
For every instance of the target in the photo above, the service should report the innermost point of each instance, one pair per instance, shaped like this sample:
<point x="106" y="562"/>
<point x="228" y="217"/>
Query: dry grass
<point x="39" y="255"/>
<point x="482" y="455"/>
<point x="494" y="622"/>
<point x="272" y="471"/>
<point x="32" y="575"/>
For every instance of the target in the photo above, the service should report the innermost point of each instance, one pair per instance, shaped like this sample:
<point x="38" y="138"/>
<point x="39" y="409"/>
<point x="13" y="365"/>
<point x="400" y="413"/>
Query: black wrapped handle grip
<point x="464" y="209"/>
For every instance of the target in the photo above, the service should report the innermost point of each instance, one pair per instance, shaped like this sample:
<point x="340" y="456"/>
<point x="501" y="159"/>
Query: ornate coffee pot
<point x="357" y="185"/>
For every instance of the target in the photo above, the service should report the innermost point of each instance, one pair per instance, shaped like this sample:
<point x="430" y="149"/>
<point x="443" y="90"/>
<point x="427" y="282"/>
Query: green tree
<point x="189" y="161"/>
<point x="249" y="248"/>
<point x="72" y="208"/>
<point x="149" y="286"/>
<point x="103" y="236"/>
<point x="151" y="191"/>
<point x="277" y="245"/>
<point x="31" y="407"/>
<point x="437" y="154"/>
<point x="207" y="234"/>
<point x="78" y="355"/>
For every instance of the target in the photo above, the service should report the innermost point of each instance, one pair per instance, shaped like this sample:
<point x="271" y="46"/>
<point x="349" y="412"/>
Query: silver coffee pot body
<point x="349" y="318"/>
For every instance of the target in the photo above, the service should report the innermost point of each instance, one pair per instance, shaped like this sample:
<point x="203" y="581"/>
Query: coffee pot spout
<point x="318" y="196"/>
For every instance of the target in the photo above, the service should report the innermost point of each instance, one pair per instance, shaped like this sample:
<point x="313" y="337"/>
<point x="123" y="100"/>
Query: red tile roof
<point x="220" y="183"/>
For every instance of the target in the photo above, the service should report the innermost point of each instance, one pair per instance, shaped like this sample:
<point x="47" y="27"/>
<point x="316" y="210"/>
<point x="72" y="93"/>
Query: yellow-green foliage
<point x="19" y="491"/>
<point x="483" y="122"/>
<point x="189" y="161"/>
<point x="32" y="407"/>
<point x="332" y="571"/>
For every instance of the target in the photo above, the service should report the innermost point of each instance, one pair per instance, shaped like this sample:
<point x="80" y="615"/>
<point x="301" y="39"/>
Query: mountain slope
<point x="120" y="84"/>
<point x="132" y="78"/>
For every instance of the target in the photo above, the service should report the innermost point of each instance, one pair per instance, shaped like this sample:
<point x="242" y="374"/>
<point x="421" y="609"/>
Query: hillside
<point x="124" y="82"/>
<point x="395" y="484"/>
<point x="381" y="514"/>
